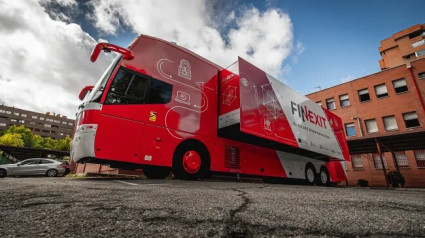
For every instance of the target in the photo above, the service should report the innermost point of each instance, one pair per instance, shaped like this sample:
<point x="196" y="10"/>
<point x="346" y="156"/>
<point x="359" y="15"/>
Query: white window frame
<point x="332" y="101"/>
<point x="400" y="83"/>
<point x="401" y="158"/>
<point x="344" y="98"/>
<point x="357" y="161"/>
<point x="377" y="161"/>
<point x="385" y="124"/>
<point x="380" y="90"/>
<point x="371" y="126"/>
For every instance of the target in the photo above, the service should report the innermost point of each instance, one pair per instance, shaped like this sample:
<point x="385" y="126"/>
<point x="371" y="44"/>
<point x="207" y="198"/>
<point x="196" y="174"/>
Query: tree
<point x="22" y="136"/>
<point x="12" y="140"/>
<point x="49" y="143"/>
<point x="25" y="133"/>
<point x="38" y="142"/>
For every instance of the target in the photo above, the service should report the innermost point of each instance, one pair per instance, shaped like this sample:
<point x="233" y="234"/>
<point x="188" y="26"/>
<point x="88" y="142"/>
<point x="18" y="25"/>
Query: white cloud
<point x="44" y="62"/>
<point x="264" y="38"/>
<point x="45" y="58"/>
<point x="347" y="78"/>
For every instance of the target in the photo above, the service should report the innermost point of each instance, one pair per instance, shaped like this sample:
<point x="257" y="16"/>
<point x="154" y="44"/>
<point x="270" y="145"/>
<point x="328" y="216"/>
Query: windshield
<point x="96" y="93"/>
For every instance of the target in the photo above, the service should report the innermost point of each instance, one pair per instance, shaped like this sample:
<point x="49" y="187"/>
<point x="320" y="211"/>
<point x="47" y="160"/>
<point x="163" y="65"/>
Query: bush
<point x="363" y="183"/>
<point x="396" y="179"/>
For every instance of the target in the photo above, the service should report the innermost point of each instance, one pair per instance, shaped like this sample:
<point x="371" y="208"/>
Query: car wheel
<point x="3" y="173"/>
<point x="324" y="177"/>
<point x="191" y="162"/>
<point x="156" y="172"/>
<point x="310" y="174"/>
<point x="52" y="173"/>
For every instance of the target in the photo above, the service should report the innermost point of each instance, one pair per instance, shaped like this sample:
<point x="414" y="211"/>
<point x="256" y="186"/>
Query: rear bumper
<point x="83" y="143"/>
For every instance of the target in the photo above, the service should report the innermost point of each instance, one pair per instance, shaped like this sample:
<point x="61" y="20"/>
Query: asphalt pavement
<point x="109" y="207"/>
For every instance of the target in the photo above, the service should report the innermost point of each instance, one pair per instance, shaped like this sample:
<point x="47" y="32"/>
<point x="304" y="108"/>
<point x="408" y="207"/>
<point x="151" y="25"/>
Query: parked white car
<point x="34" y="166"/>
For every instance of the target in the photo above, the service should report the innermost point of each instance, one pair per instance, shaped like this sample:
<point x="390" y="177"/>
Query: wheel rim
<point x="2" y="173"/>
<point x="51" y="173"/>
<point x="310" y="175"/>
<point x="323" y="177"/>
<point x="191" y="161"/>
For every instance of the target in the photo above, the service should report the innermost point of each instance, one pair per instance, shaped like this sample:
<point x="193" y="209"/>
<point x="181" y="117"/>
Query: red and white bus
<point x="162" y="108"/>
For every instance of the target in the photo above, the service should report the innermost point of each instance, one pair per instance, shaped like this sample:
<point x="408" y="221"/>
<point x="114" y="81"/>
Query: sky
<point x="307" y="44"/>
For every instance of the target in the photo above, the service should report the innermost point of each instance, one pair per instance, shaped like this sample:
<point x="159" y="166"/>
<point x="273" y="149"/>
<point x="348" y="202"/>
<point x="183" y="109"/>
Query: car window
<point x="44" y="161"/>
<point x="28" y="162"/>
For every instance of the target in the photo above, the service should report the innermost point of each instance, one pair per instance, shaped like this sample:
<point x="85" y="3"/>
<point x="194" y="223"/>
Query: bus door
<point x="128" y="105"/>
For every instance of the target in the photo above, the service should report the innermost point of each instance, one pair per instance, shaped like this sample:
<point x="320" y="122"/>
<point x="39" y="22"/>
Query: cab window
<point x="129" y="87"/>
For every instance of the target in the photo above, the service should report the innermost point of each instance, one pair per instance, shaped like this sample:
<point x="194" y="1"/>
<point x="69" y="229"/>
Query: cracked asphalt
<point x="92" y="207"/>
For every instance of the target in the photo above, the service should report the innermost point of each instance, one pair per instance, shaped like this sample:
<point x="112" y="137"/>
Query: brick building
<point x="388" y="108"/>
<point x="45" y="125"/>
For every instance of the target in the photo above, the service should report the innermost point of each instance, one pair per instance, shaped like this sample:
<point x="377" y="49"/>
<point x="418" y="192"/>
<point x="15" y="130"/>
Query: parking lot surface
<point x="87" y="207"/>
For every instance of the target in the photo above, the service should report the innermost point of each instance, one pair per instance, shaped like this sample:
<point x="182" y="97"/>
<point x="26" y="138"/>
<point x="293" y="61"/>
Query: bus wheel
<point x="310" y="174"/>
<point x="156" y="172"/>
<point x="191" y="162"/>
<point x="324" y="176"/>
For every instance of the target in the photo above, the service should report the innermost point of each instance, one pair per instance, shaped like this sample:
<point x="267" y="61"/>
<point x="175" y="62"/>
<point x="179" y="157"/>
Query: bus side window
<point x="127" y="88"/>
<point x="159" y="92"/>
<point x="133" y="88"/>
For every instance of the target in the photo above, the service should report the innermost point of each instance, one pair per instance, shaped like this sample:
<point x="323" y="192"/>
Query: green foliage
<point x="23" y="137"/>
<point x="25" y="133"/>
<point x="38" y="142"/>
<point x="12" y="140"/>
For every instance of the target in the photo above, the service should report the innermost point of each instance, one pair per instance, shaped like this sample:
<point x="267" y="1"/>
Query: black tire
<point x="52" y="173"/>
<point x="179" y="170"/>
<point x="310" y="174"/>
<point x="324" y="178"/>
<point x="156" y="172"/>
<point x="3" y="173"/>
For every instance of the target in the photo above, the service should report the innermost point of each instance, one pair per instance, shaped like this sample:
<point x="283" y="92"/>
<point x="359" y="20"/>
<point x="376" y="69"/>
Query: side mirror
<point x="127" y="54"/>
<point x="84" y="92"/>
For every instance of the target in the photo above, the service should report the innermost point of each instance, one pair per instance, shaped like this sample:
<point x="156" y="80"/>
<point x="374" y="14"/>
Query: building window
<point x="13" y="120"/>
<point x="2" y="111"/>
<point x="401" y="158"/>
<point x="390" y="123"/>
<point x="319" y="103"/>
<point x="56" y="121"/>
<point x="421" y="75"/>
<point x="8" y="112"/>
<point x="364" y="95"/>
<point x="356" y="161"/>
<point x="344" y="100"/>
<point x="418" y="43"/>
<point x="350" y="130"/>
<point x="21" y="121"/>
<point x="411" y="119"/>
<point x="420" y="53"/>
<point x="41" y="118"/>
<point x="420" y="158"/>
<point x="47" y="125"/>
<point x="64" y="122"/>
<point x="2" y="124"/>
<point x="70" y="123"/>
<point x="16" y="113"/>
<point x="330" y="103"/>
<point x="48" y="119"/>
<point x="34" y="117"/>
<point x="381" y="91"/>
<point x="371" y="126"/>
<point x="23" y="115"/>
<point x="377" y="161"/>
<point x="400" y="86"/>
